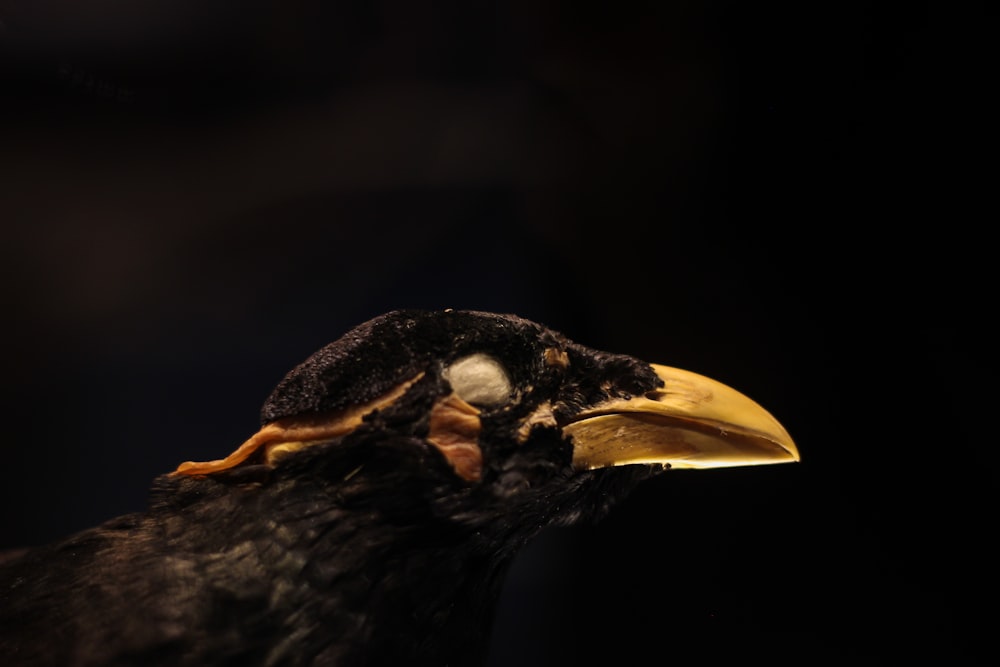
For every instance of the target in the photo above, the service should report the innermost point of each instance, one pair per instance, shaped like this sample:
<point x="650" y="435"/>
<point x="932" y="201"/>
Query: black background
<point x="195" y="195"/>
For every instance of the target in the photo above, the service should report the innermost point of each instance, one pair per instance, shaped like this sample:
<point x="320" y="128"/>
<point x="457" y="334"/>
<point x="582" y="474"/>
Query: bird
<point x="396" y="473"/>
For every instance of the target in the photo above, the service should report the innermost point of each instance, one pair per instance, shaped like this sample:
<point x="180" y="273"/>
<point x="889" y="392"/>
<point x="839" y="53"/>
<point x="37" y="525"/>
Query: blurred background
<point x="197" y="194"/>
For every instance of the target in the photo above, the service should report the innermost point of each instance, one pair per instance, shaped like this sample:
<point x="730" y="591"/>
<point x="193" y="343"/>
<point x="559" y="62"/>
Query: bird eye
<point x="479" y="379"/>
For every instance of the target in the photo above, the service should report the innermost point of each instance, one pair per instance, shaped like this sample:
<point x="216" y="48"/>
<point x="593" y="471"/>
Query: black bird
<point x="371" y="519"/>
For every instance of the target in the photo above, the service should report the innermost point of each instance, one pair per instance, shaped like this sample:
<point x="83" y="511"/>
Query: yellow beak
<point x="692" y="421"/>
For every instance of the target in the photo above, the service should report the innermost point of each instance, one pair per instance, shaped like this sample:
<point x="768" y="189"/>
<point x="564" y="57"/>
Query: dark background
<point x="197" y="194"/>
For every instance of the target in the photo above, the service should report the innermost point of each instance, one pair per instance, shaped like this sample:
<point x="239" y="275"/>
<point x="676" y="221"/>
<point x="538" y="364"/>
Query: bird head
<point x="475" y="414"/>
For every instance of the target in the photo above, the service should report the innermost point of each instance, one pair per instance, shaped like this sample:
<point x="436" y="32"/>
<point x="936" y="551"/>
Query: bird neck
<point x="354" y="574"/>
<point x="395" y="585"/>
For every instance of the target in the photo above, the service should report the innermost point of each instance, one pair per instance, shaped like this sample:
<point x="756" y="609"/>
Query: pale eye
<point x="479" y="379"/>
